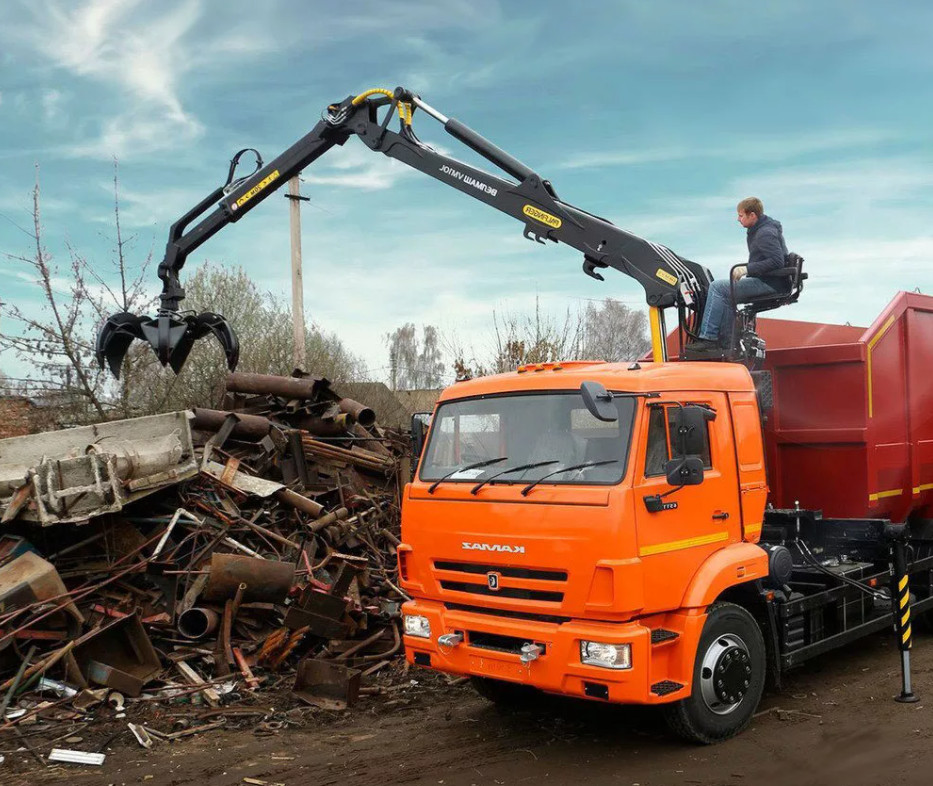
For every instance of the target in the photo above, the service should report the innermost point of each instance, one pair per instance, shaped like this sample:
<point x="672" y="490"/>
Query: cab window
<point x="662" y="440"/>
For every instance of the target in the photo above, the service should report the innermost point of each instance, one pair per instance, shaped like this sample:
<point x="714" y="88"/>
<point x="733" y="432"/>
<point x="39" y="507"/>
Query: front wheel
<point x="728" y="678"/>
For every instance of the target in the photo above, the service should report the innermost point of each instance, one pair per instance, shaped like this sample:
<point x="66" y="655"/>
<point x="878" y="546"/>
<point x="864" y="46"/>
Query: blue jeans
<point x="719" y="314"/>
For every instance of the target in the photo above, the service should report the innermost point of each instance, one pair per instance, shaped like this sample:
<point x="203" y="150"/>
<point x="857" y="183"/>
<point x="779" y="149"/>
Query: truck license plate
<point x="498" y="668"/>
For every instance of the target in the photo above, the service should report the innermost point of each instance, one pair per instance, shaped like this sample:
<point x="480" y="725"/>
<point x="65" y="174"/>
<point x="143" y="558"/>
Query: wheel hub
<point x="725" y="674"/>
<point x="732" y="675"/>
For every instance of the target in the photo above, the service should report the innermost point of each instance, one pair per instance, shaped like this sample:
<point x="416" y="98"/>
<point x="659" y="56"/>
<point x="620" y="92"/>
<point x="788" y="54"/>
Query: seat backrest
<point x="793" y="270"/>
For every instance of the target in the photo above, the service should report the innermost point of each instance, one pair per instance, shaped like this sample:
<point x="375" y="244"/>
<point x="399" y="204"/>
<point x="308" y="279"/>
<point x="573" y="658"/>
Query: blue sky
<point x="659" y="116"/>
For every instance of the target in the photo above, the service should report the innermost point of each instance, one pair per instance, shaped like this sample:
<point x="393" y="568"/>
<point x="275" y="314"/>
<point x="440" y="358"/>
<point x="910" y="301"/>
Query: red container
<point x="851" y="429"/>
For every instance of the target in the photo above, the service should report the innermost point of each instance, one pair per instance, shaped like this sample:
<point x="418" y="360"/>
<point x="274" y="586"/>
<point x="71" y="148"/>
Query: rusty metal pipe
<point x="197" y="622"/>
<point x="285" y="387"/>
<point x="253" y="427"/>
<point x="299" y="502"/>
<point x="363" y="414"/>
<point x="330" y="518"/>
<point x="267" y="580"/>
<point x="338" y="426"/>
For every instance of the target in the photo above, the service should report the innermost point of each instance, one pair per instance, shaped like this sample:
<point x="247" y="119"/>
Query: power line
<point x="24" y="231"/>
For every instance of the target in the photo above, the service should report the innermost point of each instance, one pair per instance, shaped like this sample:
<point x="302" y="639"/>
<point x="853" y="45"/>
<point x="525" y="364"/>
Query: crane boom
<point x="668" y="279"/>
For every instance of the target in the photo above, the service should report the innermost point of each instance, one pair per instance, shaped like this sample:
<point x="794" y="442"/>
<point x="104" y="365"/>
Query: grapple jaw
<point x="170" y="334"/>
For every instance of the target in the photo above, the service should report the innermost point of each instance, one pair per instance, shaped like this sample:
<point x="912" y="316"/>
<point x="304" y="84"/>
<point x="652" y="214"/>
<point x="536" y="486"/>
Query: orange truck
<point x="662" y="533"/>
<point x="564" y="534"/>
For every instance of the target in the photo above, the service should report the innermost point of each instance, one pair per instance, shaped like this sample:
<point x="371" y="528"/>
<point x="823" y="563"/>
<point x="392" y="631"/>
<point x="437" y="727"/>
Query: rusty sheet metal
<point x="327" y="684"/>
<point x="28" y="579"/>
<point x="119" y="655"/>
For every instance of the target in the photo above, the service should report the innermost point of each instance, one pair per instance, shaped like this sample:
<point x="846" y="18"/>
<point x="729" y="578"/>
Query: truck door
<point x="696" y="520"/>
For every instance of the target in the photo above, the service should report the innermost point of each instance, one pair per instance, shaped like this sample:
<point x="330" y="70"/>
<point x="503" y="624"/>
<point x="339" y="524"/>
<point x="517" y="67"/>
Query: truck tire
<point x="731" y="648"/>
<point x="501" y="693"/>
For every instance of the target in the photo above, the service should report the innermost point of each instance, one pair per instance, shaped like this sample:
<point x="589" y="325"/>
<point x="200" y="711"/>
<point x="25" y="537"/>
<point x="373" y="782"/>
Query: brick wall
<point x="16" y="417"/>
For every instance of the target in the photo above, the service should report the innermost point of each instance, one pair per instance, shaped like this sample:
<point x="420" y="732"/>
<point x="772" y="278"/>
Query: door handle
<point x="720" y="515"/>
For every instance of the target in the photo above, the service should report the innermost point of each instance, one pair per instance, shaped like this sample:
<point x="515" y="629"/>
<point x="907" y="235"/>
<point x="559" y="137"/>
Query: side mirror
<point x="598" y="401"/>
<point x="419" y="428"/>
<point x="691" y="429"/>
<point x="684" y="471"/>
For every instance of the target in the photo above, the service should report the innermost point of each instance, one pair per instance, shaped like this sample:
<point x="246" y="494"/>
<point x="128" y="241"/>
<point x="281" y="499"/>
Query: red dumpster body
<point x="851" y="428"/>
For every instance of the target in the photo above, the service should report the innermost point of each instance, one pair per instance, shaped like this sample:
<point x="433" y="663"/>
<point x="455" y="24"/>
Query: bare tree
<point x="605" y="331"/>
<point x="56" y="339"/>
<point x="414" y="364"/>
<point x="519" y="338"/>
<point x="263" y="326"/>
<point x="614" y="332"/>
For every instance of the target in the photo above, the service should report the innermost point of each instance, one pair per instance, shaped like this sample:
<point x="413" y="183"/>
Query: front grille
<point x="514" y="615"/>
<point x="502" y="570"/>
<point x="503" y="592"/>
<point x="492" y="641"/>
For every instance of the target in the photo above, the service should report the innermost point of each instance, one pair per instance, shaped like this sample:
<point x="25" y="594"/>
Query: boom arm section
<point x="668" y="279"/>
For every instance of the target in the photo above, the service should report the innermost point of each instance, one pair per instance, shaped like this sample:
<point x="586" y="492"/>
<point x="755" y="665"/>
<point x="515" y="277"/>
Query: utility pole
<point x="298" y="310"/>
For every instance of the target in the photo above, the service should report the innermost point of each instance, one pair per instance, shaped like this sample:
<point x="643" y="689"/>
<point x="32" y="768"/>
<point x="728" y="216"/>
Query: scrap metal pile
<point x="201" y="558"/>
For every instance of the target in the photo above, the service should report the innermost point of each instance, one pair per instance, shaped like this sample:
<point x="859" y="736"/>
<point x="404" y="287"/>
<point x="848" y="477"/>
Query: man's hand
<point x="739" y="272"/>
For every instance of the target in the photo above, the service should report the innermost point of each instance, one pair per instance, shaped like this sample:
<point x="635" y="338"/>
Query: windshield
<point x="539" y="434"/>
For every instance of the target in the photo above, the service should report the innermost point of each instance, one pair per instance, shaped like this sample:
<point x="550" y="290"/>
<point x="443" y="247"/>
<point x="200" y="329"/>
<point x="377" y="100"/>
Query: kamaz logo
<point x="493" y="547"/>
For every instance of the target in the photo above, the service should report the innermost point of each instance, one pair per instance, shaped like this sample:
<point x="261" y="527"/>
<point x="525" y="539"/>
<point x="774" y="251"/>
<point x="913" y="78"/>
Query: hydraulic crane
<point x="669" y="280"/>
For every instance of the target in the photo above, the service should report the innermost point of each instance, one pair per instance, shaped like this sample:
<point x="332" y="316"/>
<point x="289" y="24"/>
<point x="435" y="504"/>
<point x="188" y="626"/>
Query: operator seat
<point x="744" y="329"/>
<point x="793" y="270"/>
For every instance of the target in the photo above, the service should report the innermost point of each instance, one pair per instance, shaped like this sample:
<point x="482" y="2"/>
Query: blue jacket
<point x="766" y="247"/>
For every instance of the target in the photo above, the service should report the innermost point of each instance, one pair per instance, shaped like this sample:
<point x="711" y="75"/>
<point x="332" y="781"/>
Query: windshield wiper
<point x="491" y="478"/>
<point x="584" y="465"/>
<point x="475" y="465"/>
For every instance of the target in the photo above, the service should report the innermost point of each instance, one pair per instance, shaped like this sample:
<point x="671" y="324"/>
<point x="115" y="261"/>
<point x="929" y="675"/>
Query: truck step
<point x="660" y="635"/>
<point x="665" y="687"/>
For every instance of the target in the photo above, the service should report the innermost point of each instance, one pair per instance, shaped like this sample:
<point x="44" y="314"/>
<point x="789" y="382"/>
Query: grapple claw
<point x="114" y="339"/>
<point x="170" y="334"/>
<point x="208" y="321"/>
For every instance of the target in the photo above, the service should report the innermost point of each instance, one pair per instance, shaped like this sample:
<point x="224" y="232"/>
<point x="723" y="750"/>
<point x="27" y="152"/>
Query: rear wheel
<point x="728" y="678"/>
<point x="501" y="693"/>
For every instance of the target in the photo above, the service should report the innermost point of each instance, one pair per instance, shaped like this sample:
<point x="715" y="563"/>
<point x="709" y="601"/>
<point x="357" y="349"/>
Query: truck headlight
<point x="416" y="625"/>
<point x="607" y="656"/>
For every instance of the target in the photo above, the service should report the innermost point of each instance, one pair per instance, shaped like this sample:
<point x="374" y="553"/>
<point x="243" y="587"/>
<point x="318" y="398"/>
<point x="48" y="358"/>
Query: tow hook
<point x="449" y="640"/>
<point x="531" y="652"/>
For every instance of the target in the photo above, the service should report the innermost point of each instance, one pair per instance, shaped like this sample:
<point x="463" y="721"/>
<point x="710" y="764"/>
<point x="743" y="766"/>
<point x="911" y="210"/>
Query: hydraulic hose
<point x="404" y="110"/>
<point x="808" y="556"/>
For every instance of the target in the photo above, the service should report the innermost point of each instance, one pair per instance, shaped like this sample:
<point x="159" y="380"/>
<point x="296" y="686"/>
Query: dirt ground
<point x="834" y="721"/>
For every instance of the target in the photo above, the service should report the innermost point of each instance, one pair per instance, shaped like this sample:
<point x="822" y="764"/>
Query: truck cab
<point x="545" y="547"/>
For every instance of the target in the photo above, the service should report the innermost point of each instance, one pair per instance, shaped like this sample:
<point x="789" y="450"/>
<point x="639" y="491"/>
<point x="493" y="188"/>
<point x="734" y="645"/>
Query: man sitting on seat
<point x="766" y="253"/>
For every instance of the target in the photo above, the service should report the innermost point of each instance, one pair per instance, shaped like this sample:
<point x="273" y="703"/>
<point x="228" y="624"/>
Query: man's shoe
<point x="702" y="349"/>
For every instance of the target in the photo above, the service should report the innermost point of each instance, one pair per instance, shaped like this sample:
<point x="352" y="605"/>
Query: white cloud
<point x="354" y="166"/>
<point x="51" y="104"/>
<point x="143" y="52"/>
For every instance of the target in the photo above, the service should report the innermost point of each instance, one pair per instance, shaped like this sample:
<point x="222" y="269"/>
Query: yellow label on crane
<point x="665" y="276"/>
<point x="540" y="215"/>
<point x="260" y="186"/>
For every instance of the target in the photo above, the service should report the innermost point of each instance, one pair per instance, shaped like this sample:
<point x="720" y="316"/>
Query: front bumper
<point x="557" y="670"/>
